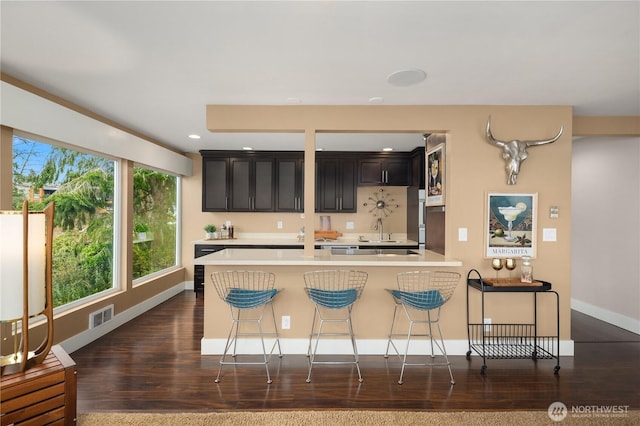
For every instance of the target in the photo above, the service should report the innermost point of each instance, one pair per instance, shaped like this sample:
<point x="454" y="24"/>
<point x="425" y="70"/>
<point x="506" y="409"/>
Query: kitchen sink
<point x="375" y="252"/>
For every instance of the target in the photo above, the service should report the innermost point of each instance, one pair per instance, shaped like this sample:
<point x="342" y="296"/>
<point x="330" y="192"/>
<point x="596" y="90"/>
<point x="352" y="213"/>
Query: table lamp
<point x="26" y="292"/>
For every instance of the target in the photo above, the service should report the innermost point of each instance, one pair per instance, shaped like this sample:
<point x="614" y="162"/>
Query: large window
<point x="155" y="230"/>
<point x="82" y="186"/>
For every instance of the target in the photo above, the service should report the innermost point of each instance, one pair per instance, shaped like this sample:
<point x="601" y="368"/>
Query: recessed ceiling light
<point x="194" y="136"/>
<point x="406" y="77"/>
<point x="376" y="100"/>
<point x="247" y="148"/>
<point x="387" y="149"/>
<point x="319" y="149"/>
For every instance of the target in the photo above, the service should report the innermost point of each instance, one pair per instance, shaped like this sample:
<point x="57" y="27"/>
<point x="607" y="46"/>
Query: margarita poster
<point x="510" y="225"/>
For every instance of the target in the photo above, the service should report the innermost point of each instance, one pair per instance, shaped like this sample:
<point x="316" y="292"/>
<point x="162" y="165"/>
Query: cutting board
<point x="330" y="235"/>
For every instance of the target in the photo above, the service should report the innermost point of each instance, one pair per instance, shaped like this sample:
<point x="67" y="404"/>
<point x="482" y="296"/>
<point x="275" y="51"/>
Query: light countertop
<point x="295" y="257"/>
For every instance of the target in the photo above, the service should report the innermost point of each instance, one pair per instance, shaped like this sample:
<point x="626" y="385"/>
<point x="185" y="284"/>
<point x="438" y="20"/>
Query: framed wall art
<point x="435" y="176"/>
<point x="510" y="225"/>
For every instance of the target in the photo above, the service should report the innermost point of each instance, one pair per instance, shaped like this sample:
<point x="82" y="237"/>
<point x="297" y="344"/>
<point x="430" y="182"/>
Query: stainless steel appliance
<point x="416" y="215"/>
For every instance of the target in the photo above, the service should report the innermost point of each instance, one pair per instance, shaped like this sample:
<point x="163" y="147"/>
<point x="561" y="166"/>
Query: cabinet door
<point x="349" y="186"/>
<point x="214" y="184"/>
<point x="263" y="185"/>
<point x="396" y="172"/>
<point x="336" y="185"/>
<point x="240" y="184"/>
<point x="251" y="184"/>
<point x="371" y="172"/>
<point x="290" y="185"/>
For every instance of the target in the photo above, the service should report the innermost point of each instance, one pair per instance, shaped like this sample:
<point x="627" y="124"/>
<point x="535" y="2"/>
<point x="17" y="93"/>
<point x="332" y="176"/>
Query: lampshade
<point x="26" y="240"/>
<point x="12" y="264"/>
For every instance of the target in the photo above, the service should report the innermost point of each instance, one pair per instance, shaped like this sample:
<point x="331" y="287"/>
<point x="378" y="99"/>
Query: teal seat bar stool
<point x="420" y="296"/>
<point x="251" y="294"/>
<point x="333" y="291"/>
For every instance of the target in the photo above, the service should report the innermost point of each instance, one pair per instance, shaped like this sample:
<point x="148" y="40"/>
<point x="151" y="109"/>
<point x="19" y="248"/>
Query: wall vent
<point x="100" y="317"/>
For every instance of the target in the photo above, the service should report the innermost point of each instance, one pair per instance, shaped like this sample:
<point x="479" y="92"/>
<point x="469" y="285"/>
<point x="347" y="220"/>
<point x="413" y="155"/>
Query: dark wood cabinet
<point x="417" y="176"/>
<point x="215" y="176"/>
<point x="235" y="181"/>
<point x="336" y="185"/>
<point x="290" y="183"/>
<point x="251" y="184"/>
<point x="381" y="169"/>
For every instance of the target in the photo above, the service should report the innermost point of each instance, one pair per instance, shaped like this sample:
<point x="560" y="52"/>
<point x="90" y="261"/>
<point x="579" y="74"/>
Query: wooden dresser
<point x="44" y="394"/>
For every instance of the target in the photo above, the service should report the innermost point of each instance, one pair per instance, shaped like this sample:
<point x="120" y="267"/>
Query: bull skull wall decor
<point x="515" y="152"/>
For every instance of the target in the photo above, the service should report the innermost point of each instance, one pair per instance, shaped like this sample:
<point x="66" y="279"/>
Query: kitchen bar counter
<point x="323" y="258"/>
<point x="372" y="314"/>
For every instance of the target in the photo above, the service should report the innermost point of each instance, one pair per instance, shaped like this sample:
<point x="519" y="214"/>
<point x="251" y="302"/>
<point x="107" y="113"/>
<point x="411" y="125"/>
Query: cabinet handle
<point x="226" y="203"/>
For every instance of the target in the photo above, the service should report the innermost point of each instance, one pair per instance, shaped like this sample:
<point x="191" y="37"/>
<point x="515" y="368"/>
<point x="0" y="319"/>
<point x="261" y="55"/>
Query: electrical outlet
<point x="280" y="224"/>
<point x="487" y="325"/>
<point x="286" y="322"/>
<point x="349" y="225"/>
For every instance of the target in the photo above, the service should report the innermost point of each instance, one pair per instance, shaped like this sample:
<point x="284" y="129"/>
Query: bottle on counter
<point x="526" y="270"/>
<point x="230" y="232"/>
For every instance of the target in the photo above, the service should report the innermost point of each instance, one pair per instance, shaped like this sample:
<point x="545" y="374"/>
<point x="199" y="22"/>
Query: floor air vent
<point x="101" y="316"/>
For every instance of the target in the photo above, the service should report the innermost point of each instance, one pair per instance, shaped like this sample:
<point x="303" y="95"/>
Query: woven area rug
<point x="350" y="418"/>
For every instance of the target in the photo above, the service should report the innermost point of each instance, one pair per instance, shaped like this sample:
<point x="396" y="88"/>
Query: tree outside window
<point x="154" y="205"/>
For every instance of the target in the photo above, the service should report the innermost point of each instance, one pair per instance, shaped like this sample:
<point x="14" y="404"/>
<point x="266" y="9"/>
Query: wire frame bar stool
<point x="420" y="296"/>
<point x="245" y="291"/>
<point x="332" y="290"/>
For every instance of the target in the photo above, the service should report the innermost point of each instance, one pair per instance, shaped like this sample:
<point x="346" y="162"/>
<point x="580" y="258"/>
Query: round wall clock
<point x="381" y="204"/>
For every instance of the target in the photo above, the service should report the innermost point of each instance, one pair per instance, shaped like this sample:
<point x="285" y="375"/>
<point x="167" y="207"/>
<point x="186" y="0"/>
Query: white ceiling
<point x="154" y="66"/>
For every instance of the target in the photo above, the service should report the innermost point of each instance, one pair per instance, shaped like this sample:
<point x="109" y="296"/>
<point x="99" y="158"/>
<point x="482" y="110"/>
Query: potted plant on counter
<point x="210" y="232"/>
<point x="141" y="230"/>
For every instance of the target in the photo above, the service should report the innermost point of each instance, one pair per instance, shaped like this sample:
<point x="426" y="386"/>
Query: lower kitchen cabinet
<point x="205" y="249"/>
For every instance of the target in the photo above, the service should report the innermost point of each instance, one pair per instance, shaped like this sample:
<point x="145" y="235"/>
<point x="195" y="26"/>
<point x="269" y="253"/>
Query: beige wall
<point x="473" y="168"/>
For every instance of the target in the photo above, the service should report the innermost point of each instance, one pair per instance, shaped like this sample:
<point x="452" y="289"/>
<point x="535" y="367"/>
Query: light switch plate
<point x="462" y="234"/>
<point x="549" y="234"/>
<point x="280" y="224"/>
<point x="349" y="225"/>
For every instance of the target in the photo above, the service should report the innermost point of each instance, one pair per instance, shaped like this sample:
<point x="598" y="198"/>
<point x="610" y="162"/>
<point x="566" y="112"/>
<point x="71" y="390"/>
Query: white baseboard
<point x="343" y="346"/>
<point x="79" y="340"/>
<point x="619" y="320"/>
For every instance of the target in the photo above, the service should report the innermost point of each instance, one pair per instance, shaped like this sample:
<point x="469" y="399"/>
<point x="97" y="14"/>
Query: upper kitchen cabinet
<point x="251" y="184"/>
<point x="391" y="169"/>
<point x="336" y="184"/>
<point x="290" y="183"/>
<point x="215" y="177"/>
<point x="235" y="181"/>
<point x="417" y="177"/>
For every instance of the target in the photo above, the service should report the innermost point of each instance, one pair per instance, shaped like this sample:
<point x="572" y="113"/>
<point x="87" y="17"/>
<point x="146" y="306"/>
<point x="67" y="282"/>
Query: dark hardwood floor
<point x="153" y="363"/>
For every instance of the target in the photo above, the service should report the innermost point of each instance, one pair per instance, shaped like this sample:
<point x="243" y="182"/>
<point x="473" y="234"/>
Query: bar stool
<point x="420" y="293"/>
<point x="332" y="290"/>
<point x="249" y="292"/>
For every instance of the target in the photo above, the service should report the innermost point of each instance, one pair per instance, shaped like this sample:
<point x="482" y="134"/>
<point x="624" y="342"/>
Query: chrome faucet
<point x="379" y="228"/>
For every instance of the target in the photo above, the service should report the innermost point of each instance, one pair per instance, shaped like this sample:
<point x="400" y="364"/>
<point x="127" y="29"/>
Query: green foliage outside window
<point x="154" y="205"/>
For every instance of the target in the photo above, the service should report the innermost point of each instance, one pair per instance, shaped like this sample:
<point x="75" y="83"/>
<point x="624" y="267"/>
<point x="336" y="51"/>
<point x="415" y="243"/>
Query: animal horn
<point x="490" y="137"/>
<point x="553" y="139"/>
